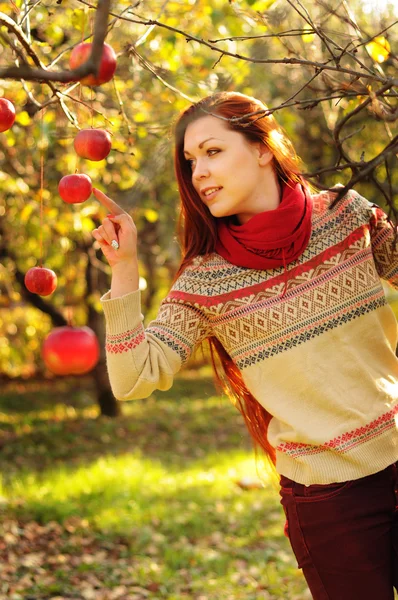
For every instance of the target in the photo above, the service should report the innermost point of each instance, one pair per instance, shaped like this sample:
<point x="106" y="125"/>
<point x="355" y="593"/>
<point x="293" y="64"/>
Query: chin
<point x="219" y="212"/>
<point x="218" y="215"/>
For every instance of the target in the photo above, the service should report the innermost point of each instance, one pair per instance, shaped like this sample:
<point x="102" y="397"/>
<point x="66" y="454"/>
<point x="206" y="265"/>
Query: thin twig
<point x="340" y="124"/>
<point x="367" y="169"/>
<point x="290" y="33"/>
<point x="152" y="70"/>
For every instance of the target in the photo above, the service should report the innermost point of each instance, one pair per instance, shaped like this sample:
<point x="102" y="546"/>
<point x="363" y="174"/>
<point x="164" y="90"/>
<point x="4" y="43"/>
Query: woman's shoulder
<point x="204" y="273"/>
<point x="328" y="201"/>
<point x="194" y="266"/>
<point x="210" y="263"/>
<point x="192" y="274"/>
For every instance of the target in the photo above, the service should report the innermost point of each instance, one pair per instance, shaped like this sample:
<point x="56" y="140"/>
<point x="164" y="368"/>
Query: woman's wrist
<point x="125" y="266"/>
<point x="125" y="278"/>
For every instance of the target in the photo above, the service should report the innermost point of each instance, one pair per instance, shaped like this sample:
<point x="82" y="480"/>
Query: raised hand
<point x="117" y="236"/>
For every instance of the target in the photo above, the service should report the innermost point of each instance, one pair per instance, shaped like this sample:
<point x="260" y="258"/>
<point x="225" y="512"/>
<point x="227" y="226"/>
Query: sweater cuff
<point x="123" y="313"/>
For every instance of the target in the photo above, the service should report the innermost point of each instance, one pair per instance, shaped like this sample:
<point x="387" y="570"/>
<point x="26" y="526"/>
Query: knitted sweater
<point x="320" y="358"/>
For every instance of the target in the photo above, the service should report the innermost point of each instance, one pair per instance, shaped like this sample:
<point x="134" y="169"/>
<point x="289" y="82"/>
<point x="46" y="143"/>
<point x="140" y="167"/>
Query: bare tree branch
<point x="280" y="34"/>
<point x="41" y="73"/>
<point x="368" y="168"/>
<point x="344" y="120"/>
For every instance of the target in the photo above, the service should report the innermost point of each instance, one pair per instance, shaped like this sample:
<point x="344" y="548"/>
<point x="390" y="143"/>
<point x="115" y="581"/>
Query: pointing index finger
<point x="108" y="203"/>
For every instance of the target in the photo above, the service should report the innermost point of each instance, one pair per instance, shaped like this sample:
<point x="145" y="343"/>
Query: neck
<point x="272" y="200"/>
<point x="275" y="191"/>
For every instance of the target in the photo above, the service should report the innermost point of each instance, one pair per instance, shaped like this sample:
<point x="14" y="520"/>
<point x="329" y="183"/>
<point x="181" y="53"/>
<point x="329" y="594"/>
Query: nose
<point x="200" y="171"/>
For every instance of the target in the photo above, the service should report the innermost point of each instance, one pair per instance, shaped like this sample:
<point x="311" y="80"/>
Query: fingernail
<point x="110" y="216"/>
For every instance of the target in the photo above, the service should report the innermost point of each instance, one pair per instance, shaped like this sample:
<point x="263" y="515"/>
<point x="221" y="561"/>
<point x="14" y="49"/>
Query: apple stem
<point x="68" y="294"/>
<point x="41" y="185"/>
<point x="92" y="109"/>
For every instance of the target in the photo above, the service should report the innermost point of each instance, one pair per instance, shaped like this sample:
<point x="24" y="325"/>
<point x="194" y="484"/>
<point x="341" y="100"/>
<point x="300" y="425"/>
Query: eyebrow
<point x="201" y="143"/>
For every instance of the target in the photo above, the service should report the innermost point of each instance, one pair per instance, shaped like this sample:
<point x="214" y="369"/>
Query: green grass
<point x="143" y="506"/>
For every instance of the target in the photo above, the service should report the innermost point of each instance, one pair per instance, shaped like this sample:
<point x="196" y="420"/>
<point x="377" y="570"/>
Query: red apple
<point x="41" y="281"/>
<point x="94" y="144"/>
<point x="70" y="350"/>
<point x="81" y="53"/>
<point x="7" y="114"/>
<point x="75" y="189"/>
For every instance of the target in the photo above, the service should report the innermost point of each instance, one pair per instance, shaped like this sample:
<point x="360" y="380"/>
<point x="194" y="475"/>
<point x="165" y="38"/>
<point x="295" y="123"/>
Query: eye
<point x="212" y="151"/>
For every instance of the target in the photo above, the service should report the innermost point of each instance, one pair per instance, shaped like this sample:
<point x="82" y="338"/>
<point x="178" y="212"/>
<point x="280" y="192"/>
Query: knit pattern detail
<point x="122" y="342"/>
<point x="384" y="245"/>
<point x="347" y="441"/>
<point x="178" y="327"/>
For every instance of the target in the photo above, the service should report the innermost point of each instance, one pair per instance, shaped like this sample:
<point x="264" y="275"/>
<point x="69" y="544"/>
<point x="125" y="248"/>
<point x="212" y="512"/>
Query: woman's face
<point x="231" y="175"/>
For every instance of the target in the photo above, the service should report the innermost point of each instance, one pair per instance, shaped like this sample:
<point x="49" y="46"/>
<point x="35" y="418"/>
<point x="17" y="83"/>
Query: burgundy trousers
<point x="345" y="535"/>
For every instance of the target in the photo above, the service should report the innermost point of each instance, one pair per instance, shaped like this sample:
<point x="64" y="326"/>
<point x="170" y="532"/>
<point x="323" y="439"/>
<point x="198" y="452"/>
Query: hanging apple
<point x="70" y="350"/>
<point x="7" y="114"/>
<point x="94" y="144"/>
<point x="75" y="189"/>
<point x="81" y="53"/>
<point x="41" y="281"/>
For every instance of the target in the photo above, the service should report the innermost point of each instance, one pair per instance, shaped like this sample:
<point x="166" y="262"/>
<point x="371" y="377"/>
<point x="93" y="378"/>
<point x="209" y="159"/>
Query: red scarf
<point x="270" y="239"/>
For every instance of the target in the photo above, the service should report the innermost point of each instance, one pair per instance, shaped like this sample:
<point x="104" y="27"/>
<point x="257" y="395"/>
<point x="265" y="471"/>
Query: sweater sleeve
<point x="141" y="360"/>
<point x="384" y="247"/>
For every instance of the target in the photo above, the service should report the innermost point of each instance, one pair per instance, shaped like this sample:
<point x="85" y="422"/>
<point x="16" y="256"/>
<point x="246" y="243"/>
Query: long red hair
<point x="197" y="229"/>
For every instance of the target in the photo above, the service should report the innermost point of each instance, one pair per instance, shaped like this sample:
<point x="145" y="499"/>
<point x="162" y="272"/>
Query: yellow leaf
<point x="128" y="181"/>
<point x="308" y="37"/>
<point x="77" y="222"/>
<point x="89" y="210"/>
<point x="54" y="33"/>
<point x="139" y="117"/>
<point x="151" y="215"/>
<point x="142" y="132"/>
<point x="378" y="49"/>
<point x="26" y="212"/>
<point x="87" y="224"/>
<point x="21" y="186"/>
<point x="65" y="244"/>
<point x="10" y="139"/>
<point x="79" y="19"/>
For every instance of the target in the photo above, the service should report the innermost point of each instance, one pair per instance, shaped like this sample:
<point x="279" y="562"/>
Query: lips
<point x="210" y="192"/>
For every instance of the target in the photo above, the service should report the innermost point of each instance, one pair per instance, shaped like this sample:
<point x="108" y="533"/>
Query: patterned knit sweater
<point x="320" y="358"/>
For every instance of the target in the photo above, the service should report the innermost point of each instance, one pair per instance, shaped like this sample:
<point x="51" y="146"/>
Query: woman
<point x="286" y="289"/>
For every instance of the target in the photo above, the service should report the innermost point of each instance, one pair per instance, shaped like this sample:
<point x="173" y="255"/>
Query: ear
<point x="265" y="155"/>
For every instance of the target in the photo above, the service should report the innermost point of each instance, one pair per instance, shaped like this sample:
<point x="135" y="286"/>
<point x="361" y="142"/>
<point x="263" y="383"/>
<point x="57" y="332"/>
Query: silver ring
<point x="115" y="244"/>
